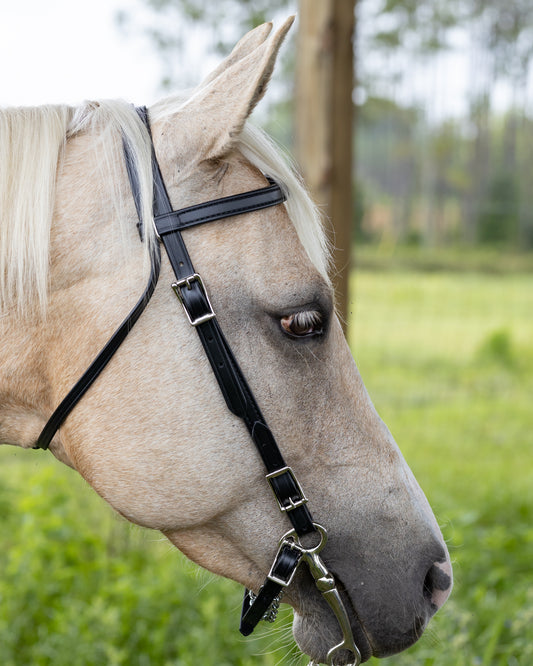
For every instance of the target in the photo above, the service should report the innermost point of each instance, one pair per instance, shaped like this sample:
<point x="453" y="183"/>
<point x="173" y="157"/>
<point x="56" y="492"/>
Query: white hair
<point x="32" y="142"/>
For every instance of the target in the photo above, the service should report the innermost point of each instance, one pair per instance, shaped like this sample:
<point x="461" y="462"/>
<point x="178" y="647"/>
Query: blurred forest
<point x="443" y="109"/>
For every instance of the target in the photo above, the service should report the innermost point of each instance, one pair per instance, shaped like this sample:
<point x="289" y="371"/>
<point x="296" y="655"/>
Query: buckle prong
<point x="289" y="504"/>
<point x="186" y="283"/>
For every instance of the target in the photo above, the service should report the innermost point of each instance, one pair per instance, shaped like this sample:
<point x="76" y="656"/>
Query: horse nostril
<point x="438" y="584"/>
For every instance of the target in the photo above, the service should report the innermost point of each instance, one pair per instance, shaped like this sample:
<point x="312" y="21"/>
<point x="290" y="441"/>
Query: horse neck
<point x="23" y="401"/>
<point x="36" y="349"/>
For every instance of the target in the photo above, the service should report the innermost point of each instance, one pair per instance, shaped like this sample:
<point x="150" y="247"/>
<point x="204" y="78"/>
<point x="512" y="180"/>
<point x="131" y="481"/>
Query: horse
<point x="153" y="434"/>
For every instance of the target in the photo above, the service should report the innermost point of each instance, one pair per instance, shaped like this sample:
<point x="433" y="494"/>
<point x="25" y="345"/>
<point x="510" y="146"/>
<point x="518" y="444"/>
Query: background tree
<point x="434" y="160"/>
<point x="323" y="124"/>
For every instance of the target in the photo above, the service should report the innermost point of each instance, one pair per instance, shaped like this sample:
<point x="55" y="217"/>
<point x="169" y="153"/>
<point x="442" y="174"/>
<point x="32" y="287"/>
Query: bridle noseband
<point x="192" y="294"/>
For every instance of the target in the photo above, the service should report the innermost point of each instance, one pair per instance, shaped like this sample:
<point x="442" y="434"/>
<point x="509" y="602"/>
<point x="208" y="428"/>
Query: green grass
<point x="448" y="360"/>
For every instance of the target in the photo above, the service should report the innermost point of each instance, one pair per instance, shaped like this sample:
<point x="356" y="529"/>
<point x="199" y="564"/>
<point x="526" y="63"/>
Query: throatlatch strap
<point x="88" y="378"/>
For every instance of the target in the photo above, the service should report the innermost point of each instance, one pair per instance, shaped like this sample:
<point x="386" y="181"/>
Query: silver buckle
<point x="185" y="283"/>
<point x="291" y="503"/>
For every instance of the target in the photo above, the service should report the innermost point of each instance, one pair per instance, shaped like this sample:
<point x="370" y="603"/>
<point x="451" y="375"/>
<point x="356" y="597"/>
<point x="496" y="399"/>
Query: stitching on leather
<point x="204" y="218"/>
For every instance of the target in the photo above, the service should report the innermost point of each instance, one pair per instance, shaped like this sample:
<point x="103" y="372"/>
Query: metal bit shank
<point x="325" y="583"/>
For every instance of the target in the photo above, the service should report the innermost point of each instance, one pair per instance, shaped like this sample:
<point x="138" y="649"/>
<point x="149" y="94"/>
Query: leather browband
<point x="211" y="211"/>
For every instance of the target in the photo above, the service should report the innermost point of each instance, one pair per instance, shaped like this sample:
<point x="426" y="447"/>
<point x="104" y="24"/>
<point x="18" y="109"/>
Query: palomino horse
<point x="153" y="434"/>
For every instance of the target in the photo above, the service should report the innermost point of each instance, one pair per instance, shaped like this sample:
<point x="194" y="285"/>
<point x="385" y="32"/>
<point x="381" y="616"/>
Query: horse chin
<point x="316" y="631"/>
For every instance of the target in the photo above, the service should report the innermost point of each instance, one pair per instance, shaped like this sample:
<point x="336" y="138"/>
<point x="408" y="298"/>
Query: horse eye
<point x="303" y="324"/>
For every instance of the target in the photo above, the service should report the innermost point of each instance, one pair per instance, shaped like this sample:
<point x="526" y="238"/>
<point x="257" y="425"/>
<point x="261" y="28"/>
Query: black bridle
<point x="192" y="294"/>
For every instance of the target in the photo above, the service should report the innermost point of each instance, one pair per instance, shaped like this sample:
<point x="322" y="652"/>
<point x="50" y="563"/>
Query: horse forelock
<point x="32" y="149"/>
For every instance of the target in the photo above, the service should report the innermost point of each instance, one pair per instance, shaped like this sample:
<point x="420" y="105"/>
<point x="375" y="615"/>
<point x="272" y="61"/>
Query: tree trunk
<point x="324" y="121"/>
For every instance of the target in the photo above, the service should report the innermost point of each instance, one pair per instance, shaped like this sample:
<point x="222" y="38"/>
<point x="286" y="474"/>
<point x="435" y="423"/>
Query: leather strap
<point x="88" y="378"/>
<point x="239" y="398"/>
<point x="279" y="577"/>
<point x="237" y="204"/>
<point x="193" y="296"/>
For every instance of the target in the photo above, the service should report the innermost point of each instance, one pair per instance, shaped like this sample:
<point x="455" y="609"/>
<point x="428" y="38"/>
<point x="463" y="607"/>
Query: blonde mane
<point x="32" y="142"/>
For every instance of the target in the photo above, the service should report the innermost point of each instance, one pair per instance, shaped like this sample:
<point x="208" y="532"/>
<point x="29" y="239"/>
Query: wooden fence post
<point x="324" y="121"/>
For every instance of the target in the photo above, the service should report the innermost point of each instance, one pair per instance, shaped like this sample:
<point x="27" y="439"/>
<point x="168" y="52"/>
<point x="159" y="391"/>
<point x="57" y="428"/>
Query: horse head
<point x="153" y="435"/>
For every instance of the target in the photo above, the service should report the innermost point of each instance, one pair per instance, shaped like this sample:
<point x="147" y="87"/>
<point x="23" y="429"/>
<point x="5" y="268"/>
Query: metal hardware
<point x="325" y="583"/>
<point x="185" y="283"/>
<point x="291" y="503"/>
<point x="271" y="612"/>
<point x="292" y="538"/>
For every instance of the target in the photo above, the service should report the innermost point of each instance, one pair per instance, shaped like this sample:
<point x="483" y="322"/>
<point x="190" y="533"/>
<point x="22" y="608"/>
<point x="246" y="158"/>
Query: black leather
<point x="286" y="563"/>
<point x="237" y="204"/>
<point x="237" y="394"/>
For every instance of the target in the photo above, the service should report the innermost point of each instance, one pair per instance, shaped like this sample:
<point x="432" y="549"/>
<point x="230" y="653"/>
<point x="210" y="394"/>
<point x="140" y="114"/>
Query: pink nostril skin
<point x="438" y="584"/>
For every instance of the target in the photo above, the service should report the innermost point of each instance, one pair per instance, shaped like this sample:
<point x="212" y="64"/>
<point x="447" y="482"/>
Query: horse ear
<point x="244" y="46"/>
<point x="221" y="105"/>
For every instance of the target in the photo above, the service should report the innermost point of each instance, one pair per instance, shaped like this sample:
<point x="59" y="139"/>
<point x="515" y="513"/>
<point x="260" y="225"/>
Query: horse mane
<point x="261" y="150"/>
<point x="31" y="140"/>
<point x="32" y="143"/>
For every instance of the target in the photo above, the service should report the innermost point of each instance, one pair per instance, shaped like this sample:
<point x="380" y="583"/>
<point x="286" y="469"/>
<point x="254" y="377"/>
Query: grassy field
<point x="448" y="360"/>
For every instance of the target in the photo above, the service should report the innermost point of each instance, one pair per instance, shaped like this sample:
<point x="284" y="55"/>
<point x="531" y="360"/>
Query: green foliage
<point x="498" y="348"/>
<point x="80" y="587"/>
<point x="460" y="179"/>
<point x="499" y="211"/>
<point x="437" y="182"/>
<point x="422" y="26"/>
<point x="448" y="360"/>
